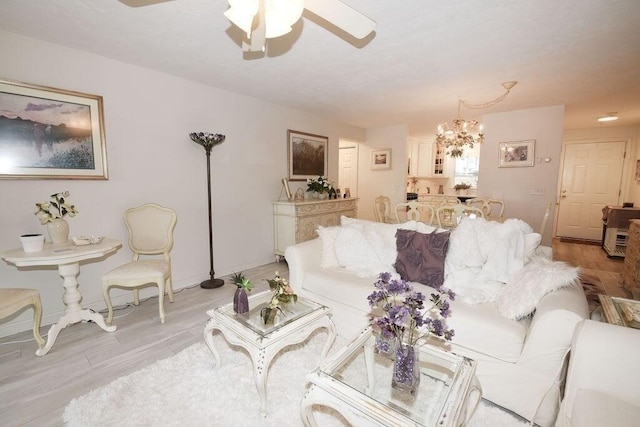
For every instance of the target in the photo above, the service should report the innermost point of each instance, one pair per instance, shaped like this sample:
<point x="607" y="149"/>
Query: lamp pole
<point x="208" y="141"/>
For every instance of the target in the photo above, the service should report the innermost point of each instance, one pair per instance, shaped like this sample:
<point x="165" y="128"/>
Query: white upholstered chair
<point x="150" y="229"/>
<point x="416" y="211"/>
<point x="493" y="208"/>
<point x="13" y="300"/>
<point x="449" y="216"/>
<point x="382" y="209"/>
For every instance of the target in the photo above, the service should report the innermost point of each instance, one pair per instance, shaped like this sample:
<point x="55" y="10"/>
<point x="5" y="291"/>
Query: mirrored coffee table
<point x="356" y="382"/>
<point x="262" y="342"/>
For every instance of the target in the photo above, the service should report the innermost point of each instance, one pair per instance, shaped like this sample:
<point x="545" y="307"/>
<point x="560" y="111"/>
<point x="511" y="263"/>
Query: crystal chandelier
<point x="455" y="137"/>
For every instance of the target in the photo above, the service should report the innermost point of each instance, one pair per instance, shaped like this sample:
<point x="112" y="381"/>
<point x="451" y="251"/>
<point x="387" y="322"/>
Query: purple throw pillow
<point x="421" y="256"/>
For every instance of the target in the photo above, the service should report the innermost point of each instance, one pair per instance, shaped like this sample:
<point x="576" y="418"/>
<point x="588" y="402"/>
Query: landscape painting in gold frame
<point x="49" y="133"/>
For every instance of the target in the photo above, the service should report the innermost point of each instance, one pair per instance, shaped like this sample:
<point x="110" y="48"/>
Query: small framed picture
<point x="381" y="159"/>
<point x="516" y="154"/>
<point x="287" y="190"/>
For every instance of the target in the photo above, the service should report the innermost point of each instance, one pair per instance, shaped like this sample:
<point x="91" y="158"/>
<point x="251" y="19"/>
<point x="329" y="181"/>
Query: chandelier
<point x="455" y="137"/>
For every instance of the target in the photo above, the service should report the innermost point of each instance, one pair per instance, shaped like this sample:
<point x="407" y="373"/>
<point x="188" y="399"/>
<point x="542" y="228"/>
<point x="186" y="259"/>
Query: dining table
<point x="67" y="257"/>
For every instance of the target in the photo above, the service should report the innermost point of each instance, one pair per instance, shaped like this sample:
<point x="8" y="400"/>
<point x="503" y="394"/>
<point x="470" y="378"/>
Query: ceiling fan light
<point x="241" y="13"/>
<point x="280" y="15"/>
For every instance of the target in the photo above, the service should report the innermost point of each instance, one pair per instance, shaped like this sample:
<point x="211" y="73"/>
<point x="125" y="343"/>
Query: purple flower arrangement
<point x="404" y="315"/>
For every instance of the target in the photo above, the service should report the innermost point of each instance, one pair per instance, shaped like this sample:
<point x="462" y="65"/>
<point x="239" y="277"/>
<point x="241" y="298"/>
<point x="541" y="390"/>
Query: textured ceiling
<point x="424" y="54"/>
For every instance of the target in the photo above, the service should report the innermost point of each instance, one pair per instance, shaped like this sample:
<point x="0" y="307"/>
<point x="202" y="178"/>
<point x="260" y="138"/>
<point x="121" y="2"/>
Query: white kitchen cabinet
<point x="429" y="161"/>
<point x="297" y="221"/>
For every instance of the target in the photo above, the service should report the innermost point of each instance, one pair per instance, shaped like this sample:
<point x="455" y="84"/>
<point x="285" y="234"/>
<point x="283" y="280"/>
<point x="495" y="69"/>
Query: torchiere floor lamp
<point x="208" y="141"/>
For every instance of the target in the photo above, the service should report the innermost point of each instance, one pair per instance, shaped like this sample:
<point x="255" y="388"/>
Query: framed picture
<point x="381" y="159"/>
<point x="287" y="189"/>
<point x="308" y="155"/>
<point x="516" y="154"/>
<point x="50" y="133"/>
<point x="637" y="170"/>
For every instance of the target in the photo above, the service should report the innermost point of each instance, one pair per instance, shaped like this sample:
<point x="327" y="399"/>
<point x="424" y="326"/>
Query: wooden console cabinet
<point x="296" y="222"/>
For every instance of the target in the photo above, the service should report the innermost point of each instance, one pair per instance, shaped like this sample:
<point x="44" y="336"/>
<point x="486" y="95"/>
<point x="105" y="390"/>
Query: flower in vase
<point x="282" y="291"/>
<point x="404" y="315"/>
<point x="56" y="208"/>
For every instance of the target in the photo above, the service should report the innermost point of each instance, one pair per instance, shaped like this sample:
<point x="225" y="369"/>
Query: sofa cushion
<point x="421" y="256"/>
<point x="480" y="327"/>
<point x="520" y="296"/>
<point x="328" y="251"/>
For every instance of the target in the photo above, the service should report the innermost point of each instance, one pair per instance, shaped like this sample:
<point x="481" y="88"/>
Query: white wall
<point x="514" y="185"/>
<point x="148" y="116"/>
<point x="389" y="182"/>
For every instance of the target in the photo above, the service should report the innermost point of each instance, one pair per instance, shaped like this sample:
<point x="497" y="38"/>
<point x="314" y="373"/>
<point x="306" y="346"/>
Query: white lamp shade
<point x="241" y="13"/>
<point x="280" y="15"/>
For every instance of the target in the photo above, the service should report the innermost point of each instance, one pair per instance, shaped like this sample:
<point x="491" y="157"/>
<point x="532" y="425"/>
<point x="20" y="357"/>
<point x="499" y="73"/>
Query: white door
<point x="591" y="179"/>
<point x="348" y="169"/>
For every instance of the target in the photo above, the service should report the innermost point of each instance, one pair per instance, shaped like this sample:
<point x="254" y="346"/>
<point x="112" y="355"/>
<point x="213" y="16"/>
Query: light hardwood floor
<point x="35" y="390"/>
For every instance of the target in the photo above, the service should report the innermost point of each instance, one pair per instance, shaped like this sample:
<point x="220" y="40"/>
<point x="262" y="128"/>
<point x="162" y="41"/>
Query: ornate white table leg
<point x="73" y="312"/>
<point x="369" y="366"/>
<point x="306" y="407"/>
<point x="473" y="399"/>
<point x="208" y="339"/>
<point x="328" y="324"/>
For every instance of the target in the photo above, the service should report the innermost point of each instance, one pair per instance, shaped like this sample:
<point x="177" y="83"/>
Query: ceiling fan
<point x="265" y="19"/>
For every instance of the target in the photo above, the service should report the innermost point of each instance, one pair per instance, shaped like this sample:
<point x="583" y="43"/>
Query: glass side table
<point x="356" y="382"/>
<point x="616" y="310"/>
<point x="263" y="342"/>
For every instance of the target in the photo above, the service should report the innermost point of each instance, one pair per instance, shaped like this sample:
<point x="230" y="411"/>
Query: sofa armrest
<point x="302" y="257"/>
<point x="604" y="358"/>
<point x="552" y="326"/>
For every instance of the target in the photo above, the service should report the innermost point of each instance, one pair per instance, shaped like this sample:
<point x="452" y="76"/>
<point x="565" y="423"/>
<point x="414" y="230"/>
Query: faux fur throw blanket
<point x="483" y="255"/>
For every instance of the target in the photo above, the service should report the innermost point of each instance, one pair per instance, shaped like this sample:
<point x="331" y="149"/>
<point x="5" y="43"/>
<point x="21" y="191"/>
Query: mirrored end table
<point x="356" y="382"/>
<point x="263" y="342"/>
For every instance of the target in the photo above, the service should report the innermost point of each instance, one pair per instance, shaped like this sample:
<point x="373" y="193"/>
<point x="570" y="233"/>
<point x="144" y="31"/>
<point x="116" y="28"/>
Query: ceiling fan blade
<point x="257" y="38"/>
<point x="342" y="16"/>
<point x="140" y="3"/>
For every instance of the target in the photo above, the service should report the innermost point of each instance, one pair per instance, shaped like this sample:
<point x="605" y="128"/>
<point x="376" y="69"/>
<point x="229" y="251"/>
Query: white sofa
<point x="521" y="363"/>
<point x="603" y="382"/>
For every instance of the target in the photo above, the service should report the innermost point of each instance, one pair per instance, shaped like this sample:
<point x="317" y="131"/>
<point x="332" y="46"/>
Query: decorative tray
<point x="86" y="240"/>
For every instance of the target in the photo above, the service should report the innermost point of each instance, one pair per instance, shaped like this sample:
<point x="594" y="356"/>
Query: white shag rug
<point x="186" y="389"/>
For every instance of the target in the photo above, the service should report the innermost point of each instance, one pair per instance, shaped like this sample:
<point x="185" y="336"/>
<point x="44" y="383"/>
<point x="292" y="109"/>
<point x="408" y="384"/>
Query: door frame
<point x="625" y="180"/>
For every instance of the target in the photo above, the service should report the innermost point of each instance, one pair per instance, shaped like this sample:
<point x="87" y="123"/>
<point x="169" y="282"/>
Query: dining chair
<point x="449" y="216"/>
<point x="150" y="229"/>
<point x="382" y="209"/>
<point x="416" y="211"/>
<point x="545" y="219"/>
<point x="493" y="208"/>
<point x="13" y="300"/>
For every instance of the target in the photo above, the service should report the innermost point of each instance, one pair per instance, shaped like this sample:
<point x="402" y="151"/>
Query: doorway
<point x="591" y="179"/>
<point x="348" y="167"/>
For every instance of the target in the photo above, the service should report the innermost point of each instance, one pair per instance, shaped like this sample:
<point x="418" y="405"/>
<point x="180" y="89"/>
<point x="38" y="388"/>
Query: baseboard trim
<point x="580" y="241"/>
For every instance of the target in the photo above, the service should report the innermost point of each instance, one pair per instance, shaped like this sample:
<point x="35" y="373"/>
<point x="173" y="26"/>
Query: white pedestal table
<point x="67" y="257"/>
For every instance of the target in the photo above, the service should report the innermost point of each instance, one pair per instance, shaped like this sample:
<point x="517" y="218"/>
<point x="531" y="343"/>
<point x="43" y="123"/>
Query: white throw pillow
<point x="526" y="287"/>
<point x="328" y="246"/>
<point x="355" y="252"/>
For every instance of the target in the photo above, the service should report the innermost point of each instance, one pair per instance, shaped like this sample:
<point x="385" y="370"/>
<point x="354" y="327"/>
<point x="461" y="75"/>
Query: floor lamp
<point x="208" y="141"/>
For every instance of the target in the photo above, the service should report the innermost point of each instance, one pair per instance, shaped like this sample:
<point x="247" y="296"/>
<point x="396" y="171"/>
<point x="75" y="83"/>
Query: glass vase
<point x="386" y="346"/>
<point x="240" y="301"/>
<point x="406" y="369"/>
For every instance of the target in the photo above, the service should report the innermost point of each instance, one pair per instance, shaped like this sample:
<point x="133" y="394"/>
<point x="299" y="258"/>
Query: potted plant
<point x="52" y="214"/>
<point x="320" y="187"/>
<point x="462" y="187"/>
<point x="282" y="294"/>
<point x="240" y="299"/>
